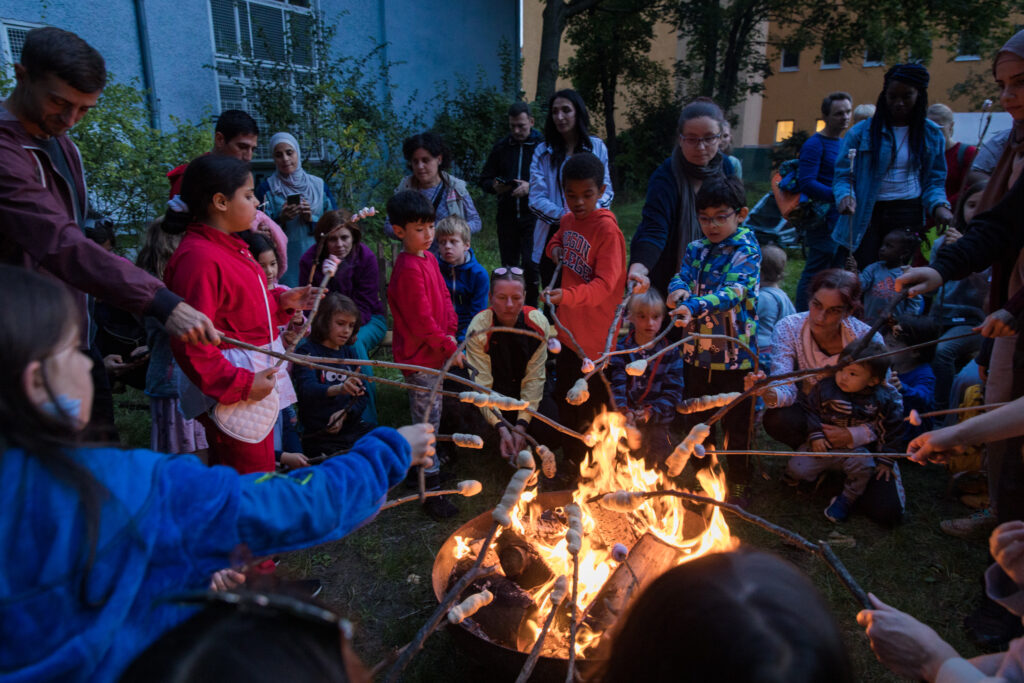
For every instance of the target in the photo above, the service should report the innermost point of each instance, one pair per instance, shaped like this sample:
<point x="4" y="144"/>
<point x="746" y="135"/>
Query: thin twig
<point x="451" y="596"/>
<point x="408" y="499"/>
<point x="308" y="323"/>
<point x="816" y="454"/>
<point x="613" y="330"/>
<point x="963" y="409"/>
<point x="570" y="676"/>
<point x="825" y="552"/>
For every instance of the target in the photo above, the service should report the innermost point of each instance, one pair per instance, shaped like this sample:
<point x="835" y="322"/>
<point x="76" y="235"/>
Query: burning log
<point x="521" y="562"/>
<point x="650" y="558"/>
<point x="504" y="617"/>
<point x="557" y="596"/>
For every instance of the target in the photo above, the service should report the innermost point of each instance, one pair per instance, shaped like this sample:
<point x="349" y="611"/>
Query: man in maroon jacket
<point x="43" y="201"/>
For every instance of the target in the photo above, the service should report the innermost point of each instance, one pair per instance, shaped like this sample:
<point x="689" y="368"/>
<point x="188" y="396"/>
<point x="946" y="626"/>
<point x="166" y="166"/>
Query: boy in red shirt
<point x="592" y="251"/>
<point x="425" y="320"/>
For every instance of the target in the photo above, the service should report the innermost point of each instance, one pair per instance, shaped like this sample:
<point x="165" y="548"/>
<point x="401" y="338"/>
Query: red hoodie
<point x="218" y="276"/>
<point x="425" y="319"/>
<point x="593" y="277"/>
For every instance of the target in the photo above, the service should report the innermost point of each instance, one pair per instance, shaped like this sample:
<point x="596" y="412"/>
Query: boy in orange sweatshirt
<point x="592" y="250"/>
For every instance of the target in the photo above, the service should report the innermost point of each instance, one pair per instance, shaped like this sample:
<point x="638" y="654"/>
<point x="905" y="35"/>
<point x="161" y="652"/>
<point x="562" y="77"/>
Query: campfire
<point x="619" y="552"/>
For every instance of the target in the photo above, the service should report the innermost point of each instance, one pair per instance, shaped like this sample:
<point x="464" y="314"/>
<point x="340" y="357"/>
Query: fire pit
<point x="532" y="553"/>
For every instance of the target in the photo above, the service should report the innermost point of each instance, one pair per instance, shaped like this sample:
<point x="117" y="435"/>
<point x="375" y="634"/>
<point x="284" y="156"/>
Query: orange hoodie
<point x="593" y="276"/>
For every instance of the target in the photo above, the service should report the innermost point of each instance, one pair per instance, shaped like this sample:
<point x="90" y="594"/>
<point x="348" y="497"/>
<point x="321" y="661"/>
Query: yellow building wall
<point x="796" y="95"/>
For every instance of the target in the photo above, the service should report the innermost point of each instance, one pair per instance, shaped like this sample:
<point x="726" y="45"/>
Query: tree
<point x="556" y="14"/>
<point x="613" y="41"/>
<point x="729" y="54"/>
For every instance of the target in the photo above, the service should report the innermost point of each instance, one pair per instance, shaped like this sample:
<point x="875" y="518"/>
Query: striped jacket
<point x="722" y="281"/>
<point x="660" y="387"/>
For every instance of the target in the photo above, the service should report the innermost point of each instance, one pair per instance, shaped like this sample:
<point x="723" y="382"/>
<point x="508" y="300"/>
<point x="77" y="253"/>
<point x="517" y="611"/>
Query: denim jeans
<point x="950" y="358"/>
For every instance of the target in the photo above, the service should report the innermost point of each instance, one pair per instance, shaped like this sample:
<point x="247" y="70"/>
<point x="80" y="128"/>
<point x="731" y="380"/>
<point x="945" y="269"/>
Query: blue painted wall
<point x="435" y="39"/>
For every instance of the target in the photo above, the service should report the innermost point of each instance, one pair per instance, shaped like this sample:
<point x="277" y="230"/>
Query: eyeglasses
<point x="719" y="221"/>
<point x="508" y="269"/>
<point x="700" y="142"/>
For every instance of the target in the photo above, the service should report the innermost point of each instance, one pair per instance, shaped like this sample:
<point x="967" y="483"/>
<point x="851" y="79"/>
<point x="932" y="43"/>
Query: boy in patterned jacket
<point x="715" y="292"/>
<point x="648" y="400"/>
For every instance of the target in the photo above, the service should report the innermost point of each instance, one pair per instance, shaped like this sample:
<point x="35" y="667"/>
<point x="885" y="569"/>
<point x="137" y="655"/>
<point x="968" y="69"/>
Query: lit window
<point x="790" y="60"/>
<point x="819" y="125"/>
<point x="783" y="130"/>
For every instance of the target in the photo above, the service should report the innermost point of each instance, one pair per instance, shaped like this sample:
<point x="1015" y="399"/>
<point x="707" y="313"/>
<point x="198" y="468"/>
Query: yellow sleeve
<point x="532" y="387"/>
<point x="478" y="358"/>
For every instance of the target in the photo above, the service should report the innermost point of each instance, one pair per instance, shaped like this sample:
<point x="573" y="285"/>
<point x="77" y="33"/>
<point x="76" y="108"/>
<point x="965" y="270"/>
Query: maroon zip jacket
<point x="39" y="229"/>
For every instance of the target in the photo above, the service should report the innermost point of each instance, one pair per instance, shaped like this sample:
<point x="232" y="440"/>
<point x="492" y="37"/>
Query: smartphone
<point x="503" y="181"/>
<point x="294" y="198"/>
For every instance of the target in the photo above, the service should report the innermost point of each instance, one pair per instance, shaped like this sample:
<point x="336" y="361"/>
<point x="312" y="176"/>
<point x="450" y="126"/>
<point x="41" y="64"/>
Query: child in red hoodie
<point x="425" y="320"/>
<point x="592" y="251"/>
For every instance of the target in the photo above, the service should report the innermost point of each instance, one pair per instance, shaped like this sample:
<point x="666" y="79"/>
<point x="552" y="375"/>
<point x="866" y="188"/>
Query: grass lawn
<point x="379" y="576"/>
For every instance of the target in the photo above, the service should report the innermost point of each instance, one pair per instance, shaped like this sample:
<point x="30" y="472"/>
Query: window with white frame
<point x="790" y="60"/>
<point x="968" y="49"/>
<point x="874" y="56"/>
<point x="252" y="33"/>
<point x="12" y="40"/>
<point x="831" y="57"/>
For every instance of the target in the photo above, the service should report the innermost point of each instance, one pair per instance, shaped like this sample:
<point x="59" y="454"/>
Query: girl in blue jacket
<point x="95" y="537"/>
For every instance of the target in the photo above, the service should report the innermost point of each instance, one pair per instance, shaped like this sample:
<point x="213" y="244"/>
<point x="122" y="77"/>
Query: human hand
<point x="839" y="437"/>
<point x="353" y="386"/>
<point x="522" y="188"/>
<point x="506" y="443"/>
<point x="556" y="254"/>
<point x="459" y="360"/>
<point x="554" y="296"/>
<point x="1007" y="547"/>
<point x="114" y="364"/>
<point x="677" y="297"/>
<point x="638" y="275"/>
<point x="752" y="378"/>
<point x="999" y="323"/>
<point x="301" y="298"/>
<point x="263" y="383"/>
<point x="936" y="445"/>
<point x="942" y="215"/>
<point x="683" y="316"/>
<point x="289" y="211"/>
<point x="919" y="281"/>
<point x="951" y="235"/>
<point x="294" y="461"/>
<point x="883" y="471"/>
<point x="904" y="644"/>
<point x="189" y="325"/>
<point x="226" y="579"/>
<point x="305" y="210"/>
<point x="847" y="205"/>
<point x="819" y="445"/>
<point x="421" y="440"/>
<point x="893" y="381"/>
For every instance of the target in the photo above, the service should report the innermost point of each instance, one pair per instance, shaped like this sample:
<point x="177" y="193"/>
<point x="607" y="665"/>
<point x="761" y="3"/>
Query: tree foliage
<point x="613" y="42"/>
<point x="556" y="14"/>
<point x="126" y="161"/>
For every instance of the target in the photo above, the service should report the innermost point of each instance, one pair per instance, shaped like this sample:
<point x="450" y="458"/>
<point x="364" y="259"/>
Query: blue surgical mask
<point x="64" y="407"/>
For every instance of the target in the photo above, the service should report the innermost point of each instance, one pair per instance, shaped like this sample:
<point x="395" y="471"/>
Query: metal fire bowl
<point x="504" y="663"/>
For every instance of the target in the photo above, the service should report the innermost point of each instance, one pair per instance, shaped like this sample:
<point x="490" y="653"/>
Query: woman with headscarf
<point x="669" y="219"/>
<point x="896" y="177"/>
<point x="994" y="239"/>
<point x="295" y="199"/>
<point x="566" y="131"/>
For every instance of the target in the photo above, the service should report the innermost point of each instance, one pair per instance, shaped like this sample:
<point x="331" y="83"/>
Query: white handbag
<point x="250" y="421"/>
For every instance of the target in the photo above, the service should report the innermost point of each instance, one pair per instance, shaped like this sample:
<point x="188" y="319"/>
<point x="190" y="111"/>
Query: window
<point x="968" y="49"/>
<point x="783" y="130"/>
<point x="830" y="58"/>
<point x="790" y="60"/>
<point x="819" y="125"/>
<point x="12" y="39"/>
<point x="874" y="56"/>
<point x="264" y="32"/>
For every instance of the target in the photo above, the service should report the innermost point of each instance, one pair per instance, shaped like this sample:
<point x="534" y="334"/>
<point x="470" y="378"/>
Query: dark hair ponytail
<point x="206" y="176"/>
<point x="36" y="318"/>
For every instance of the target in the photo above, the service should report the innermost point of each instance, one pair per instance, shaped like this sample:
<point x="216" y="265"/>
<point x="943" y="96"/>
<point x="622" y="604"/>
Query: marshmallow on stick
<point x="637" y="368"/>
<point x="467" y="440"/>
<point x="493" y="400"/>
<point x="574" y="536"/>
<point x="579" y="394"/>
<point x="620" y="501"/>
<point x="547" y="461"/>
<point x="502" y="513"/>
<point x="470" y="606"/>
<point x="681" y="455"/>
<point x="702" y="403"/>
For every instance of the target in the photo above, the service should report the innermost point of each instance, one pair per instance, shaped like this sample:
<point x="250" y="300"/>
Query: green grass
<point x="379" y="576"/>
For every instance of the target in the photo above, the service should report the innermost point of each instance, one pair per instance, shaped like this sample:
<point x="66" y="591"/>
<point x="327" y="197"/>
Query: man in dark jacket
<point x="507" y="174"/>
<point x="43" y="199"/>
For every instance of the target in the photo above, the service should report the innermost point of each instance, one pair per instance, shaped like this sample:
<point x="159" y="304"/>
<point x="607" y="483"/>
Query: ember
<point x="623" y="546"/>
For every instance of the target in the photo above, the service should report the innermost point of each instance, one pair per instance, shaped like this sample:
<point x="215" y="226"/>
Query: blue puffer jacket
<point x="167" y="524"/>
<point x="469" y="284"/>
<point x="722" y="281"/>
<point x="864" y="187"/>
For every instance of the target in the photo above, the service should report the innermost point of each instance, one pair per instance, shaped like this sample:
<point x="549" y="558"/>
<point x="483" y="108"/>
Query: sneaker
<point x="738" y="495"/>
<point x="976" y="526"/>
<point x="440" y="507"/>
<point x="838" y="509"/>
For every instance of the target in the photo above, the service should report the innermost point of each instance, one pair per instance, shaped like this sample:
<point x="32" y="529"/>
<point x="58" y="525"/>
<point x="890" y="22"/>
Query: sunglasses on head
<point x="515" y="270"/>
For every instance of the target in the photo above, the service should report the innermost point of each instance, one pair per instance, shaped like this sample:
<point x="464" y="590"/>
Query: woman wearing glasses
<point x="669" y="219"/>
<point x="566" y="131"/>
<point x="511" y="364"/>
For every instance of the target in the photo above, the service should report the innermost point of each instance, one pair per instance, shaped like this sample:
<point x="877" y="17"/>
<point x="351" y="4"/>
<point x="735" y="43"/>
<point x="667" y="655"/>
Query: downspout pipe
<point x="148" y="80"/>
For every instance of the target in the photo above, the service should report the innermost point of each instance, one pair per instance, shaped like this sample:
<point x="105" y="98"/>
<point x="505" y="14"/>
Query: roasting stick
<point x="574" y="538"/>
<point x="954" y="411"/>
<point x="613" y="330"/>
<point x="817" y="454"/>
<point x="320" y="363"/>
<point x="557" y="598"/>
<point x="626" y="501"/>
<point x="467" y="488"/>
